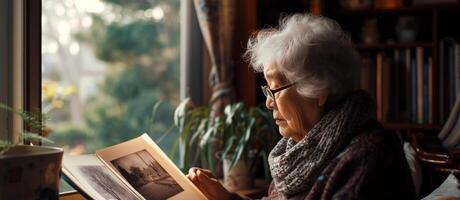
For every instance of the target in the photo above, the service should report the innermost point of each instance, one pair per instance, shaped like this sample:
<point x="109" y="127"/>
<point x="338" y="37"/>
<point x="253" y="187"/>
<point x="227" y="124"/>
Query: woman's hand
<point x="208" y="184"/>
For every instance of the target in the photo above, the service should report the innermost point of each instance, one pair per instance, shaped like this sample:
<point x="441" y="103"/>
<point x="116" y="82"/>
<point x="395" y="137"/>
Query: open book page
<point x="144" y="165"/>
<point x="96" y="179"/>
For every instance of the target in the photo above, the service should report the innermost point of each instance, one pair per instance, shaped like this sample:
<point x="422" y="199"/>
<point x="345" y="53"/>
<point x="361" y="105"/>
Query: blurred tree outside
<point x="105" y="65"/>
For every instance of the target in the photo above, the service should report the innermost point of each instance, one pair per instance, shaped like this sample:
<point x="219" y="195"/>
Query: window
<point x="105" y="64"/>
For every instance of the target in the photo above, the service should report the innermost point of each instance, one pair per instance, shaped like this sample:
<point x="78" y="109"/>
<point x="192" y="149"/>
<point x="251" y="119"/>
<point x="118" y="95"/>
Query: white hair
<point x="312" y="51"/>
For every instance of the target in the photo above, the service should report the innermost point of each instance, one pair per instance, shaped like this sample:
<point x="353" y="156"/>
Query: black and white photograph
<point x="147" y="176"/>
<point x="102" y="181"/>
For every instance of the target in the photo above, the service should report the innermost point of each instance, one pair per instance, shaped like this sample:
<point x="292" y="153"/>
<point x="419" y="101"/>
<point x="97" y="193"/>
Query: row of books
<point x="402" y="84"/>
<point x="449" y="75"/>
<point x="406" y="85"/>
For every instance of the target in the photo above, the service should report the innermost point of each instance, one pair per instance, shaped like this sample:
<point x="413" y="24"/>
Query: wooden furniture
<point x="71" y="195"/>
<point x="430" y="150"/>
<point x="436" y="161"/>
<point x="259" y="190"/>
<point x="378" y="33"/>
<point x="410" y="72"/>
<point x="431" y="24"/>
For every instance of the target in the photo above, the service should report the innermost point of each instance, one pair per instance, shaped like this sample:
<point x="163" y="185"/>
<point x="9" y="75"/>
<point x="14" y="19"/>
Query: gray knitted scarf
<point x="295" y="166"/>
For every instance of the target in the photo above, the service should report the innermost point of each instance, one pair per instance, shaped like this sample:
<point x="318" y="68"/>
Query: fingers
<point x="192" y="176"/>
<point x="192" y="173"/>
<point x="211" y="187"/>
<point x="205" y="179"/>
<point x="207" y="172"/>
<point x="201" y="176"/>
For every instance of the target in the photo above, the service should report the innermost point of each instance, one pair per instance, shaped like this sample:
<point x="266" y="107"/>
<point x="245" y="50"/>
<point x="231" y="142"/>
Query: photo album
<point x="136" y="169"/>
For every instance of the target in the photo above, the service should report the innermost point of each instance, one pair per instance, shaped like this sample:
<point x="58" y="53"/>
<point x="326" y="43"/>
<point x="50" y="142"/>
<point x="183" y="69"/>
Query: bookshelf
<point x="411" y="57"/>
<point x="395" y="45"/>
<point x="407" y="7"/>
<point x="412" y="126"/>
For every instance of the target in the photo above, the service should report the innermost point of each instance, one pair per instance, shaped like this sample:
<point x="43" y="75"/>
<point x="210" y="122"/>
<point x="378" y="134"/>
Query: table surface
<point x="257" y="192"/>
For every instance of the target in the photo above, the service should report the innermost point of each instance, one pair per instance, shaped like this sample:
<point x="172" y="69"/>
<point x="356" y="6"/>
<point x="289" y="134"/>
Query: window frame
<point x="21" y="73"/>
<point x="32" y="57"/>
<point x="5" y="63"/>
<point x="13" y="46"/>
<point x="191" y="65"/>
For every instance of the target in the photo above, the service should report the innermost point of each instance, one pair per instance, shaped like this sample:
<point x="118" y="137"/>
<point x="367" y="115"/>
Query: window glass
<point x="105" y="64"/>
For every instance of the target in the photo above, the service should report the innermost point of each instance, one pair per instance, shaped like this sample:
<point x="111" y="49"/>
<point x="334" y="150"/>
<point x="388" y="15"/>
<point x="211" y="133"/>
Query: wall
<point x="5" y="63"/>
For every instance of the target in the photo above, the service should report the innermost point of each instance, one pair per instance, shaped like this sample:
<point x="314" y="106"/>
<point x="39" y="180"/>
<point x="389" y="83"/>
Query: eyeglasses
<point x="269" y="93"/>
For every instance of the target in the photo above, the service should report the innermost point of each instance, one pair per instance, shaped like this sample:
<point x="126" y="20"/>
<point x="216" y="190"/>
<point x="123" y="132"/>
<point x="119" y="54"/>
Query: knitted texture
<point x="295" y="166"/>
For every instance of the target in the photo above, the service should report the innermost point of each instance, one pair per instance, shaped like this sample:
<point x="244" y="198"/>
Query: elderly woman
<point x="331" y="148"/>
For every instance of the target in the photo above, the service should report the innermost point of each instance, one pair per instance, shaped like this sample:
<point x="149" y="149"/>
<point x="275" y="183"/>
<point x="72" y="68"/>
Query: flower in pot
<point x="29" y="172"/>
<point x="241" y="137"/>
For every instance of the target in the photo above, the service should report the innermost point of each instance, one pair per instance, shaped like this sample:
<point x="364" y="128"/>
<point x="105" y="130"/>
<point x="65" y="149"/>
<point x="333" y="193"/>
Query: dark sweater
<point x="372" y="166"/>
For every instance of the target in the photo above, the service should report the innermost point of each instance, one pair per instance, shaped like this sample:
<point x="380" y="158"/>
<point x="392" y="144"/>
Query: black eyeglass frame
<point x="269" y="93"/>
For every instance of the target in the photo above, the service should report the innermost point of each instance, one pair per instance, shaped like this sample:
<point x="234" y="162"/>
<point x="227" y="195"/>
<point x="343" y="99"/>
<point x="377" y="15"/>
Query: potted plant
<point x="240" y="137"/>
<point x="27" y="171"/>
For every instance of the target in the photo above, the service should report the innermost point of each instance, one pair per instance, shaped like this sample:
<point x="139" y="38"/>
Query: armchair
<point x="443" y="150"/>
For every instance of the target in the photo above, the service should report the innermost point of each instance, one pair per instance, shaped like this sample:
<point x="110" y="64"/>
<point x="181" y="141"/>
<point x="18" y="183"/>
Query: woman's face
<point x="294" y="114"/>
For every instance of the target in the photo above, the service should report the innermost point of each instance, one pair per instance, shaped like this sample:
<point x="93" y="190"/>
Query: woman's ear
<point x="322" y="99"/>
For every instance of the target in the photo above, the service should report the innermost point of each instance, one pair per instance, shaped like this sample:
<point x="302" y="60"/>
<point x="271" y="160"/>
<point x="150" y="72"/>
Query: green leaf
<point x="234" y="133"/>
<point x="180" y="112"/>
<point x="201" y="130"/>
<point x="19" y="112"/>
<point x="33" y="119"/>
<point x="210" y="156"/>
<point x="242" y="144"/>
<point x="207" y="137"/>
<point x="154" y="114"/>
<point x="228" y="148"/>
<point x="34" y="136"/>
<point x="204" y="158"/>
<point x="172" y="152"/>
<point x="166" y="133"/>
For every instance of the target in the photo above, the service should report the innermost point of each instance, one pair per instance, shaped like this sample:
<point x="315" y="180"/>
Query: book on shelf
<point x="420" y="84"/>
<point x="430" y="92"/>
<point x="432" y="2"/>
<point x="413" y="89"/>
<point x="442" y="93"/>
<point x="379" y="84"/>
<point x="406" y="75"/>
<point x="401" y="81"/>
<point x="449" y="75"/>
<point x="136" y="169"/>
<point x="456" y="64"/>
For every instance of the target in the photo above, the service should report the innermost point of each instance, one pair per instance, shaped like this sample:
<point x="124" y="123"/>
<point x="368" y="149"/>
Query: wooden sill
<point x="259" y="191"/>
<point x="253" y="193"/>
<point x="72" y="195"/>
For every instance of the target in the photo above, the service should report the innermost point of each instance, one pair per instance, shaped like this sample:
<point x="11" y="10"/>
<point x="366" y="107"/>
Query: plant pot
<point x="237" y="178"/>
<point x="30" y="172"/>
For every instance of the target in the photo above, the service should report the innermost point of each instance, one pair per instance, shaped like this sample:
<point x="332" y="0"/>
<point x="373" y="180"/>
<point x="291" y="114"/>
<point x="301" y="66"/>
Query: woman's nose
<point x="270" y="103"/>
